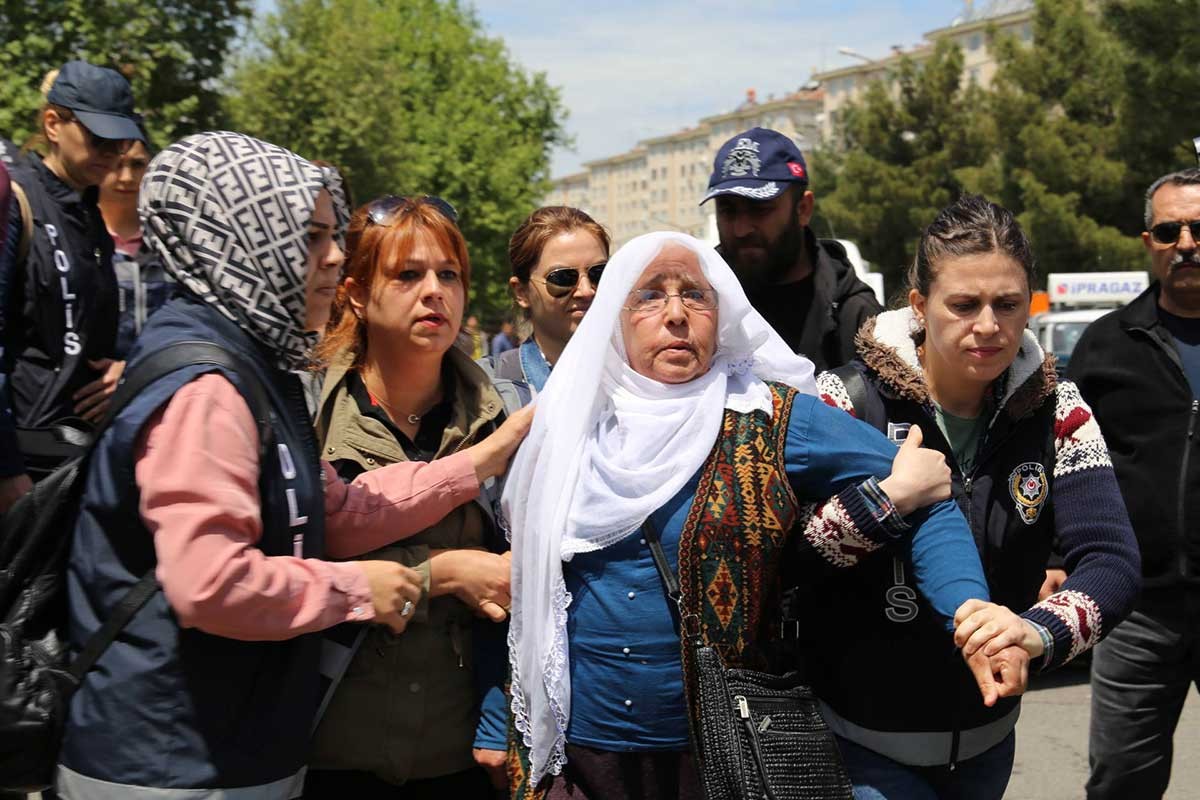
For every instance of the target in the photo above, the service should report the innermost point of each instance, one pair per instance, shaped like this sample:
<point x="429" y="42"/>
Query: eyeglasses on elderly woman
<point x="649" y="301"/>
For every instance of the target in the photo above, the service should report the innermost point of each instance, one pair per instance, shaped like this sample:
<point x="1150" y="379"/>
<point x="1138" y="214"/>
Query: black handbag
<point x="756" y="736"/>
<point x="46" y="449"/>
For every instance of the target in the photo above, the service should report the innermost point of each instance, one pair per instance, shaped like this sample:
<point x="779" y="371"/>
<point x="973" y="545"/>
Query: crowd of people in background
<point x="398" y="557"/>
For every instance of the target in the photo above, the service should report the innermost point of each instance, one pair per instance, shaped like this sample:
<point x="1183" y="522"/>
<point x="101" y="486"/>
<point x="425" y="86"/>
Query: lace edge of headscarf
<point x="555" y="669"/>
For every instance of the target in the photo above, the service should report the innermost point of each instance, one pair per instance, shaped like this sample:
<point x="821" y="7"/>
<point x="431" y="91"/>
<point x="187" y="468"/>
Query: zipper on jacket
<point x="1183" y="473"/>
<point x="139" y="298"/>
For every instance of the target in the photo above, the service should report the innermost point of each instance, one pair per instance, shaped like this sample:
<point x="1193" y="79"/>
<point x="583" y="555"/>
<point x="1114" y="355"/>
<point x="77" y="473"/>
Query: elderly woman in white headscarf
<point x="676" y="404"/>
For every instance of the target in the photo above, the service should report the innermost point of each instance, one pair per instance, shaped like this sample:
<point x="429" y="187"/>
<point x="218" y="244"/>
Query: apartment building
<point x="658" y="184"/>
<point x="846" y="85"/>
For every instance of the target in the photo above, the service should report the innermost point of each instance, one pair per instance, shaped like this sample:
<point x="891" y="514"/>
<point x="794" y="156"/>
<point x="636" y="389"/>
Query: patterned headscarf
<point x="228" y="215"/>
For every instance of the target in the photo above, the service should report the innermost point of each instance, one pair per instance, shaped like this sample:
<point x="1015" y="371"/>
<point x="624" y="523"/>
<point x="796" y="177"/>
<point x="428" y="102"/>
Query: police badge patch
<point x="742" y="160"/>
<point x="1028" y="486"/>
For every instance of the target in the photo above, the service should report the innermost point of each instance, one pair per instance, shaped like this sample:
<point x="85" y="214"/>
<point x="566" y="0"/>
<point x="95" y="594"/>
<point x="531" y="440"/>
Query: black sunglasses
<point x="108" y="147"/>
<point x="562" y="281"/>
<point x="381" y="209"/>
<point x="1168" y="232"/>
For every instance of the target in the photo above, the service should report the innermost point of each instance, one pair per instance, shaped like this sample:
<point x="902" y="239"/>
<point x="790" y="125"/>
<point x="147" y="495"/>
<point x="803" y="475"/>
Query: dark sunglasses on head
<point x="108" y="147"/>
<point x="1168" y="232"/>
<point x="562" y="281"/>
<point x="381" y="209"/>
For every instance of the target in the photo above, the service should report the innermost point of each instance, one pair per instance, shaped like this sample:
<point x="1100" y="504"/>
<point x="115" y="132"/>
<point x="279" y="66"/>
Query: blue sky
<point x="629" y="70"/>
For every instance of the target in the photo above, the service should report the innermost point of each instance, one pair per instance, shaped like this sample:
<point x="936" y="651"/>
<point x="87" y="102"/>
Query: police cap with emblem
<point x="758" y="164"/>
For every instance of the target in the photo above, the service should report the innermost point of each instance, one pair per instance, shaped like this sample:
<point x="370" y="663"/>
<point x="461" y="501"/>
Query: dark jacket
<point x="144" y="287"/>
<point x="376" y="721"/>
<point x="61" y="308"/>
<point x="1127" y="368"/>
<point x="1042" y="472"/>
<point x="175" y="708"/>
<point x="841" y="304"/>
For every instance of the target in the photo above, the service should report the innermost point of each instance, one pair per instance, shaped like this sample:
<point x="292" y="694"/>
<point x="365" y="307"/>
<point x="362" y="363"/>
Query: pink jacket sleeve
<point x="197" y="471"/>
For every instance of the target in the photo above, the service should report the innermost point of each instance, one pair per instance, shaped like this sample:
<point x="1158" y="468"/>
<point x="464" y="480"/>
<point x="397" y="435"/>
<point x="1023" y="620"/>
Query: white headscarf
<point x="607" y="448"/>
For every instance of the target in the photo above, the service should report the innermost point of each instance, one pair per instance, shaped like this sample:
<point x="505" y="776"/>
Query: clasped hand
<point x="997" y="645"/>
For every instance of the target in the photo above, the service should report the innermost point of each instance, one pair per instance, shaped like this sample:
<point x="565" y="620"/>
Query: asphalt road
<point x="1051" y="762"/>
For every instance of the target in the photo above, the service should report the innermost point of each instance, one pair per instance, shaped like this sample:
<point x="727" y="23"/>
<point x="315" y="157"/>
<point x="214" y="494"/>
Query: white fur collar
<point x="895" y="329"/>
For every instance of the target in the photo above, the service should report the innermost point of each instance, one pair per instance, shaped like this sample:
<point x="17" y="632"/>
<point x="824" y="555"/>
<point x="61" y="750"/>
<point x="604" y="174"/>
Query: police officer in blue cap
<point x="58" y="292"/>
<point x="806" y="288"/>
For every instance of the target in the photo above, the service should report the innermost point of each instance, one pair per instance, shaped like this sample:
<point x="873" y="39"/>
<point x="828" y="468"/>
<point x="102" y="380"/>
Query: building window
<point x="975" y="42"/>
<point x="1027" y="32"/>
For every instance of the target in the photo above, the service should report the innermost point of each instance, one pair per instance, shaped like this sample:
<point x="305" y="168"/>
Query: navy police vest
<point x="175" y="708"/>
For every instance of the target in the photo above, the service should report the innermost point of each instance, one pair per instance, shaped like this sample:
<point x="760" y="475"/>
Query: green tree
<point x="1063" y="137"/>
<point x="1059" y="162"/>
<point x="408" y="97"/>
<point x="903" y="151"/>
<point x="1159" y="85"/>
<point x="172" y="51"/>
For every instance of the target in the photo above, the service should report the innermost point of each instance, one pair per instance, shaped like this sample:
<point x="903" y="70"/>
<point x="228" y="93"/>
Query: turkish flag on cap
<point x="797" y="169"/>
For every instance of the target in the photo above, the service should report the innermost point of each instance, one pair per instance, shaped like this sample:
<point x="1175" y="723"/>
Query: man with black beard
<point x="804" y="287"/>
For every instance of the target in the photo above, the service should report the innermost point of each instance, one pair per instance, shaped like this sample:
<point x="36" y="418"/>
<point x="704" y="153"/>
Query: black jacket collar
<point x="60" y="191"/>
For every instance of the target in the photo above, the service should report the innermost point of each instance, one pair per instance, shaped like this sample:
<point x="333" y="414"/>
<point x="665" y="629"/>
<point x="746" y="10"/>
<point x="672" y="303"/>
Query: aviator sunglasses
<point x="562" y="281"/>
<point x="381" y="209"/>
<point x="1168" y="232"/>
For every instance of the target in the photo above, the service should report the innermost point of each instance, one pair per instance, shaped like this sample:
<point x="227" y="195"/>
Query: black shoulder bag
<point x="756" y="736"/>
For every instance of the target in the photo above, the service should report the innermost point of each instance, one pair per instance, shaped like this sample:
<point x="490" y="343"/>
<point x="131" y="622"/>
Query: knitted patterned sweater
<point x="1042" y="480"/>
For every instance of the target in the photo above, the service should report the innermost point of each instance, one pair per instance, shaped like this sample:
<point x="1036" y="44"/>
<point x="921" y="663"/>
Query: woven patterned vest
<point x="735" y="535"/>
<point x="729" y="551"/>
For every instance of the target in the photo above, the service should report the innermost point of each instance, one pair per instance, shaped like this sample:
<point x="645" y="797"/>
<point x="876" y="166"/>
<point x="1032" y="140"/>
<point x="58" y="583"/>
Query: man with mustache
<point x="1139" y="368"/>
<point x="804" y="287"/>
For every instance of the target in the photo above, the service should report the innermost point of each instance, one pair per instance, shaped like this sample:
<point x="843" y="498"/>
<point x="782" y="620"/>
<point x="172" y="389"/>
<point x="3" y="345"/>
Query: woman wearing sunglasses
<point x="402" y="721"/>
<point x="557" y="256"/>
<point x="1029" y="469"/>
<point x="59" y="292"/>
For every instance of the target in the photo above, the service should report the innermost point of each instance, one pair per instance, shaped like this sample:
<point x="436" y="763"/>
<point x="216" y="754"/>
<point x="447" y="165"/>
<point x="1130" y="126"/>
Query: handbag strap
<point x="187" y="354"/>
<point x="689" y="624"/>
<point x="99" y="641"/>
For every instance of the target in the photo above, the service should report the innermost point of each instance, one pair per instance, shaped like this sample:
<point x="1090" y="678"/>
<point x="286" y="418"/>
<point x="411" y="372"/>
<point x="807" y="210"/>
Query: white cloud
<point x="632" y="70"/>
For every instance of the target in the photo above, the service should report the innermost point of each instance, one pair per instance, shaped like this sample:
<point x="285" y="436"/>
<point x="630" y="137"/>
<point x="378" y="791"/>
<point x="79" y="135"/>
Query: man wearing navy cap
<point x="804" y="287"/>
<point x="58" y="312"/>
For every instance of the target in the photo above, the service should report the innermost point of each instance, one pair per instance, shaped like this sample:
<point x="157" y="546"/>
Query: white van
<point x="1077" y="300"/>
<point x="1059" y="331"/>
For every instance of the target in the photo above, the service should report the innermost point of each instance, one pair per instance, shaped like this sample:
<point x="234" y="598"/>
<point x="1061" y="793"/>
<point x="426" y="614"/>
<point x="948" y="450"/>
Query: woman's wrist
<point x="894" y="489"/>
<point x="1037" y="639"/>
<point x="443" y="572"/>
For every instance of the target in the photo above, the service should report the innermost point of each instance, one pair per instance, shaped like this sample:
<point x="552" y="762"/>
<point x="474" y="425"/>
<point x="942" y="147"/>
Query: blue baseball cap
<point x="758" y="164"/>
<point x="100" y="98"/>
